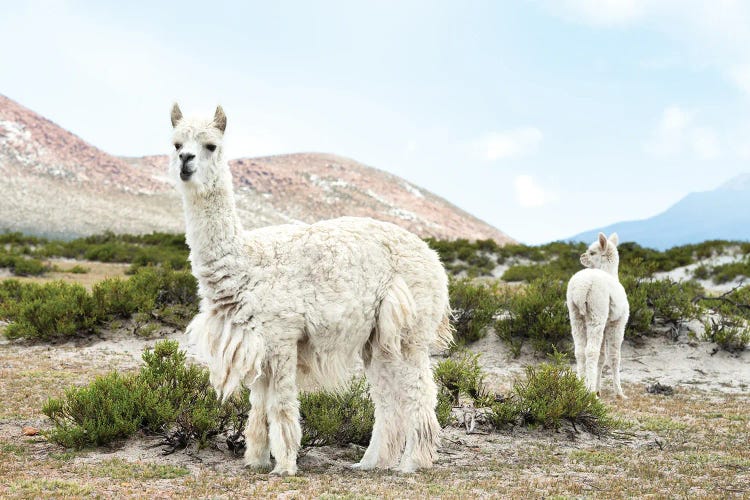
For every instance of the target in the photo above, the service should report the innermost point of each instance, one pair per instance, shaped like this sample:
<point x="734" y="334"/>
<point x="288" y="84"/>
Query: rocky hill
<point x="58" y="185"/>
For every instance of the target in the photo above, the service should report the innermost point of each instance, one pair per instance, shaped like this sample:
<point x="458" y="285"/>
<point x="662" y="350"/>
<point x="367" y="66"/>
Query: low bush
<point x="654" y="301"/>
<point x="21" y="265"/>
<point x="337" y="418"/>
<point x="536" y="313"/>
<point x="730" y="333"/>
<point x="727" y="322"/>
<point x="461" y="375"/>
<point x="725" y="273"/>
<point x="474" y="306"/>
<point x="167" y="397"/>
<point x="547" y="395"/>
<point x="59" y="309"/>
<point x="56" y="309"/>
<point x="552" y="393"/>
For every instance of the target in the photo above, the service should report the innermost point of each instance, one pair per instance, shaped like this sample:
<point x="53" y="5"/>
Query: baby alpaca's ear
<point x="614" y="239"/>
<point x="603" y="241"/>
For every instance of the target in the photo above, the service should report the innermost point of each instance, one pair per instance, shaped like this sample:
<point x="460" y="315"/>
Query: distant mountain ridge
<point x="57" y="185"/>
<point x="723" y="213"/>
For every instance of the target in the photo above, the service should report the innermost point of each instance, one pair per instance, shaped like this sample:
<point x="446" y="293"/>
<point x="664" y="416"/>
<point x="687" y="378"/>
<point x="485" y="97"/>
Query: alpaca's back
<point x="348" y="279"/>
<point x="596" y="294"/>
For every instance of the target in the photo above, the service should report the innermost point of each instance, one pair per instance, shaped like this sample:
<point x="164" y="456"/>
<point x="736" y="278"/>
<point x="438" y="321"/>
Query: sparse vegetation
<point x="338" y="418"/>
<point x="167" y="397"/>
<point x="474" y="305"/>
<point x="59" y="309"/>
<point x="536" y="313"/>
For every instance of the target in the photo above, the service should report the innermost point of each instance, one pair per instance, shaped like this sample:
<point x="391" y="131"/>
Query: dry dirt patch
<point x="691" y="444"/>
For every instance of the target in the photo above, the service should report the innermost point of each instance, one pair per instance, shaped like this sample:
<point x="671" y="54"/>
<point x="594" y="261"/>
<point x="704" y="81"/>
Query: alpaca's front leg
<point x="282" y="406"/>
<point x="257" y="450"/>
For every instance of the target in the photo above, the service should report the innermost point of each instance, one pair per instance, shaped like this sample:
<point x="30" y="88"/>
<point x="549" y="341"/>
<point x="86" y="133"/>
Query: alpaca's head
<point x="602" y="254"/>
<point x="197" y="159"/>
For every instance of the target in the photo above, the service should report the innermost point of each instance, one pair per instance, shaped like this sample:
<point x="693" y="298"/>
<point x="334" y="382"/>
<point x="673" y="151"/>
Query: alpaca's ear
<point x="176" y="114"/>
<point x="614" y="239"/>
<point x="220" y="119"/>
<point x="603" y="241"/>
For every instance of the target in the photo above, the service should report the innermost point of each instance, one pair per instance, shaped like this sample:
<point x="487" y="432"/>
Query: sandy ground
<point x="96" y="272"/>
<point x="484" y="463"/>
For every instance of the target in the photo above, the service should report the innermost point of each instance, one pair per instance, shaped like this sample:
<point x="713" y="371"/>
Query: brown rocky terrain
<point x="56" y="184"/>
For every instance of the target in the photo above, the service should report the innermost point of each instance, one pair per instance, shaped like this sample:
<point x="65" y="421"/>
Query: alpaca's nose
<point x="186" y="157"/>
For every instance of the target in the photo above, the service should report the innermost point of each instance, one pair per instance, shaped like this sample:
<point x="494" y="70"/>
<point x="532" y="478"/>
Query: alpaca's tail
<point x="398" y="314"/>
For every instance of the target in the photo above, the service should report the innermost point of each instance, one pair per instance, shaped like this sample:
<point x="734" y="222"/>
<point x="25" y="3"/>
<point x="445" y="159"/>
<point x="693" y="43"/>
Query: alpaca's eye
<point x="177" y="146"/>
<point x="211" y="147"/>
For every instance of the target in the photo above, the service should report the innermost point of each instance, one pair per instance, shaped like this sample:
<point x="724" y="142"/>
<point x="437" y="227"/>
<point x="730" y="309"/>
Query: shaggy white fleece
<point x="598" y="309"/>
<point x="293" y="305"/>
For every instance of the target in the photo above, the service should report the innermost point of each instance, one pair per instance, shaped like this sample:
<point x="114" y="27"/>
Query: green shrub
<point x="729" y="333"/>
<point x="166" y="397"/>
<point x="77" y="269"/>
<point x="524" y="273"/>
<point x="725" y="273"/>
<point x="651" y="300"/>
<point x="537" y="313"/>
<point x="337" y="418"/>
<point x="461" y="375"/>
<point x="59" y="309"/>
<point x="553" y="393"/>
<point x="98" y="414"/>
<point x="727" y="325"/>
<point x="474" y="306"/>
<point x="56" y="309"/>
<point x="550" y="394"/>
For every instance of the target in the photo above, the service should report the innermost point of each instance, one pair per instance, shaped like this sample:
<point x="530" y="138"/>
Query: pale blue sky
<point x="544" y="118"/>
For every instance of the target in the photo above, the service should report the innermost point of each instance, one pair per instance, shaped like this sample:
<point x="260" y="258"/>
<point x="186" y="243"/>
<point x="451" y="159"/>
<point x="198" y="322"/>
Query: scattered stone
<point x="30" y="431"/>
<point x="657" y="388"/>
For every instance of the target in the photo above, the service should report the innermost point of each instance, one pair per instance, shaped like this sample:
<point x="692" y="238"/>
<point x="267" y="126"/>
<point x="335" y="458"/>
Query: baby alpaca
<point x="599" y="310"/>
<point x="296" y="305"/>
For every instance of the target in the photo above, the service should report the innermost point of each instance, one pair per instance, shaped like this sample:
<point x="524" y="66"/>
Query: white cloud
<point x="669" y="136"/>
<point x="677" y="134"/>
<point x="516" y="142"/>
<point x="529" y="194"/>
<point x="713" y="33"/>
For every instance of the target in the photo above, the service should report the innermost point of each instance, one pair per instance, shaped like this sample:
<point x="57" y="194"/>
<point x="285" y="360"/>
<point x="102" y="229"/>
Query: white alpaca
<point x="598" y="309"/>
<point x="296" y="304"/>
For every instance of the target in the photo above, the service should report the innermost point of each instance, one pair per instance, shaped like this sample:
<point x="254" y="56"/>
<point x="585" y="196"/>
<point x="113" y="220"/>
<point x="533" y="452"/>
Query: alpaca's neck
<point x="612" y="269"/>
<point x="213" y="228"/>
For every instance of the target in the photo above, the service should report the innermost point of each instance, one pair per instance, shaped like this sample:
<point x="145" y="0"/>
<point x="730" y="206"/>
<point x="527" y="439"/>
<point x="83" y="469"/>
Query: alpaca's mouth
<point x="185" y="174"/>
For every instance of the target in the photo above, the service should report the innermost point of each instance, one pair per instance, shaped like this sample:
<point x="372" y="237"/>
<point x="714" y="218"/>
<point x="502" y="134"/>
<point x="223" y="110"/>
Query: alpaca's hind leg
<point x="578" y="329"/>
<point x="257" y="450"/>
<point x="594" y="338"/>
<point x="614" y="346"/>
<point x="387" y="438"/>
<point x="419" y="394"/>
<point x="600" y="366"/>
<point x="282" y="407"/>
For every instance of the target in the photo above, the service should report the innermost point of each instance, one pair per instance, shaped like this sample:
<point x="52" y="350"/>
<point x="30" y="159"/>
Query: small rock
<point x="657" y="388"/>
<point x="30" y="431"/>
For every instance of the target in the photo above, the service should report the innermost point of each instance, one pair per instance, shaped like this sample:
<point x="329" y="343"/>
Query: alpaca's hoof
<point x="283" y="471"/>
<point x="362" y="466"/>
<point x="407" y="468"/>
<point x="622" y="396"/>
<point x="260" y="466"/>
